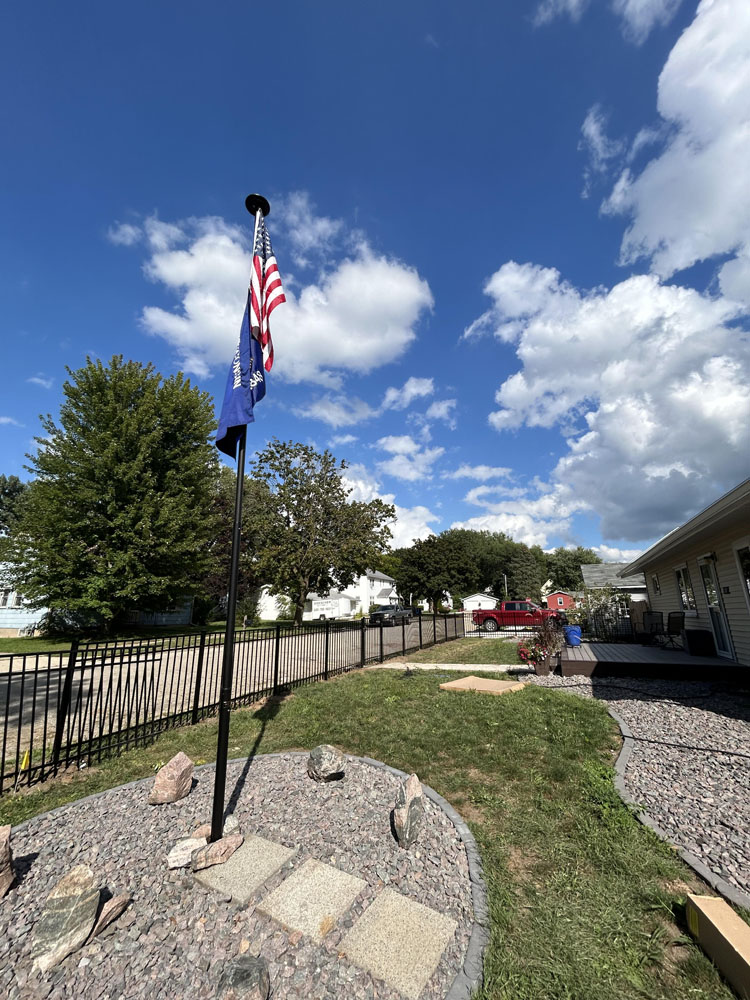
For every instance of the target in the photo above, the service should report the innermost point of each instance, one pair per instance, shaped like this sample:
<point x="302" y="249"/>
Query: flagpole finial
<point x="253" y="202"/>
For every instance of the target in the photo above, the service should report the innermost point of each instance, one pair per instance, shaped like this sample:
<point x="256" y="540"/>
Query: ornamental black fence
<point x="75" y="707"/>
<point x="594" y="629"/>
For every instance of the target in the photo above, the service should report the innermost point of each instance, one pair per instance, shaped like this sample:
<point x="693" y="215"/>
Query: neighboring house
<point x="373" y="587"/>
<point x="599" y="575"/>
<point x="16" y="618"/>
<point x="703" y="569"/>
<point x="479" y="602"/>
<point x="559" y="600"/>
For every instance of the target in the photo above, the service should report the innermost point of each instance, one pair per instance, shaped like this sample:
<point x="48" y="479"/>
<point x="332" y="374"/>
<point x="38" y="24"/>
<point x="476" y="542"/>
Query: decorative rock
<point x="408" y="814"/>
<point x="173" y="781"/>
<point x="216" y="853"/>
<point x="204" y="830"/>
<point x="325" y="763"/>
<point x="231" y="824"/>
<point x="245" y="978"/>
<point x="6" y="861"/>
<point x="110" y="912"/>
<point x="67" y="918"/>
<point x="183" y="850"/>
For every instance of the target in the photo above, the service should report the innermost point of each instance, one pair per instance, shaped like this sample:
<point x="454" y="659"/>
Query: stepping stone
<point x="312" y="898"/>
<point x="486" y="685"/>
<point x="399" y="941"/>
<point x="247" y="869"/>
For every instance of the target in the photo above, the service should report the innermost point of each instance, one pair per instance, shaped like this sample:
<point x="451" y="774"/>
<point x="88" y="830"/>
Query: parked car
<point x="518" y="613"/>
<point x="390" y="614"/>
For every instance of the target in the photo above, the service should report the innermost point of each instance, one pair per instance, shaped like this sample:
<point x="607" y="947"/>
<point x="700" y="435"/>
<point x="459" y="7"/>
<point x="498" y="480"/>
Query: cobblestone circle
<point x="175" y="938"/>
<point x="690" y="764"/>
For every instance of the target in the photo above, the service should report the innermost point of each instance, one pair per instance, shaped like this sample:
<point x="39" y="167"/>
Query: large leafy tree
<point x="564" y="567"/>
<point x="314" y="537"/>
<point x="11" y="492"/>
<point x="118" y="516"/>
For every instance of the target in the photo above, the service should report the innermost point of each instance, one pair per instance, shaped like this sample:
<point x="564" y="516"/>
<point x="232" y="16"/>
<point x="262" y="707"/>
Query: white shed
<point x="479" y="602"/>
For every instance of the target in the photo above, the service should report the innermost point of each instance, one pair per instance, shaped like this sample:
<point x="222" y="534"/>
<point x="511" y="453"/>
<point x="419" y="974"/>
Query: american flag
<point x="265" y="292"/>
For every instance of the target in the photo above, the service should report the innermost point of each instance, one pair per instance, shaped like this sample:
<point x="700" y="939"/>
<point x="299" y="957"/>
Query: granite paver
<point x="312" y="899"/>
<point x="248" y="868"/>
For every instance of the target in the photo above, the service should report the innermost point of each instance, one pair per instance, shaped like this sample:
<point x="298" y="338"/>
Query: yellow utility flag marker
<point x="25" y="761"/>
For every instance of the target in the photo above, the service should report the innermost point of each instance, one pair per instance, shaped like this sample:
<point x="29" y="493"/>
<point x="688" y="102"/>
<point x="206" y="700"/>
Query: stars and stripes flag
<point x="246" y="382"/>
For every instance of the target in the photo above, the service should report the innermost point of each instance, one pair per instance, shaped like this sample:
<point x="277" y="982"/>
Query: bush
<point x="546" y="641"/>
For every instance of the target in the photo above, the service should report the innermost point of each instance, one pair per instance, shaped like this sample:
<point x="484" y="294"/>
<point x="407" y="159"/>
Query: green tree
<point x="315" y="538"/>
<point x="527" y="570"/>
<point x="11" y="493"/>
<point x="119" y="514"/>
<point x="564" y="567"/>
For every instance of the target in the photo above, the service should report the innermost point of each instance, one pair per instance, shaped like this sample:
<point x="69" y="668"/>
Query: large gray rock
<point x="216" y="853"/>
<point x="408" y="815"/>
<point x="6" y="861"/>
<point x="325" y="763"/>
<point x="67" y="918"/>
<point x="245" y="978"/>
<point x="183" y="851"/>
<point x="173" y="781"/>
<point x="110" y="912"/>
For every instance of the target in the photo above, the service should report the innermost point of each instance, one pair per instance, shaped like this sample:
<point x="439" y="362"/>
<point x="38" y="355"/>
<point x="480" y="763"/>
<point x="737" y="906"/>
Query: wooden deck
<point x="630" y="659"/>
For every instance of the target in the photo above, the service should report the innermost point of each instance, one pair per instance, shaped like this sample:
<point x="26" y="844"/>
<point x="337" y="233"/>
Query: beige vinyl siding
<point x="727" y="572"/>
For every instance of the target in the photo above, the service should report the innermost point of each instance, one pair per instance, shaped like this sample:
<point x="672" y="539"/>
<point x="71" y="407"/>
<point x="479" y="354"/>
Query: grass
<point x="499" y="651"/>
<point x="586" y="904"/>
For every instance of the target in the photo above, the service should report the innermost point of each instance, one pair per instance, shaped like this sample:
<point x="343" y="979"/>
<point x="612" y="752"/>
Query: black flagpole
<point x="254" y="203"/>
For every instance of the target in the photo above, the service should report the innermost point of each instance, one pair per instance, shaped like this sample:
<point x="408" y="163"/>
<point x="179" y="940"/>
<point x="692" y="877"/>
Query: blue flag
<point x="246" y="385"/>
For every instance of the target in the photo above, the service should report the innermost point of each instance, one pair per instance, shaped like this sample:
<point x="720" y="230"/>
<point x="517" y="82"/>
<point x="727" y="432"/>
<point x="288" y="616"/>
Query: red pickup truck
<point x="519" y="613"/>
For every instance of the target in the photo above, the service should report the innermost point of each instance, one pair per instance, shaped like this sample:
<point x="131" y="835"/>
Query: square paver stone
<point x="312" y="898"/>
<point x="399" y="941"/>
<point x="487" y="685"/>
<point x="248" y="868"/>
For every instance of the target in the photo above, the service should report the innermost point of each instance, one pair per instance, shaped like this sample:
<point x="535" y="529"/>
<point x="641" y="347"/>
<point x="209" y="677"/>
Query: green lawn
<point x="586" y="904"/>
<point x="499" y="651"/>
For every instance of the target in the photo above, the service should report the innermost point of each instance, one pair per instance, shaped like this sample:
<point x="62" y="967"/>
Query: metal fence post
<point x="199" y="677"/>
<point x="419" y="619"/>
<point x="276" y="660"/>
<point x="325" y="653"/>
<point x="434" y="628"/>
<point x="362" y="642"/>
<point x="64" y="705"/>
<point x="381" y="641"/>
<point x="403" y="637"/>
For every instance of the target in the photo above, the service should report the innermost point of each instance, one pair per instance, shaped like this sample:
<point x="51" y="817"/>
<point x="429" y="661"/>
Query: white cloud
<point x="325" y="329"/>
<point x="409" y="460"/>
<point x="410" y="523"/>
<point x="338" y="411"/>
<point x="443" y="409"/>
<point x="609" y="553"/>
<point x="650" y="382"/>
<point x="413" y="388"/>
<point x="309" y="234"/>
<point x="600" y="149"/>
<point x="480" y="472"/>
<point x="10" y="421"/>
<point x="638" y="17"/>
<point x="691" y="202"/>
<point x="342" y="439"/>
<point x="123" y="234"/>
<point x="42" y="380"/>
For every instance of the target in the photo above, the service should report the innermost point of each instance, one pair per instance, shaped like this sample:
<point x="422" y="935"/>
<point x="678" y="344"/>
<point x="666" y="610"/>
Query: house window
<point x="743" y="562"/>
<point x="560" y="602"/>
<point x="655" y="585"/>
<point x="685" y="587"/>
<point x="5" y="598"/>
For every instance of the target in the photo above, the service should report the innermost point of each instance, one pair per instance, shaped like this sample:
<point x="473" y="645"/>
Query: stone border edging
<point x="471" y="976"/>
<point x="717" y="883"/>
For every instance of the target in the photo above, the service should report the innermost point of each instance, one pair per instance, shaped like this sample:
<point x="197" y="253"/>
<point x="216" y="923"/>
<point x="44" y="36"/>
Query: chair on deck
<point x="675" y="626"/>
<point x="653" y="626"/>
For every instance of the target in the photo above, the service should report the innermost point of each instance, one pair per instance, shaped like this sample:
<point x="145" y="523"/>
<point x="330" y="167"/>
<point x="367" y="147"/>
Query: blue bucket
<point x="572" y="634"/>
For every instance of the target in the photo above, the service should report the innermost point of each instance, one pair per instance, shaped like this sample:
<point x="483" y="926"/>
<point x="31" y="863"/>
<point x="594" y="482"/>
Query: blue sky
<point x="513" y="238"/>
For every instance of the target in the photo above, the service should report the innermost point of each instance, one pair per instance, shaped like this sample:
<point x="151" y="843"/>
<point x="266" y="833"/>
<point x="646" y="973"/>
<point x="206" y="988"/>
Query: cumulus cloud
<point x="409" y="460"/>
<point x="10" y="421"/>
<point x="330" y="327"/>
<point x="123" y="234"/>
<point x="42" y="380"/>
<point x="638" y="17"/>
<point x="410" y="523"/>
<point x="337" y="411"/>
<point x="650" y="382"/>
<point x="599" y="148"/>
<point x="309" y="234"/>
<point x="608" y="553"/>
<point x="533" y="520"/>
<point x="342" y="439"/>
<point x="413" y="388"/>
<point x="691" y="202"/>
<point x="443" y="409"/>
<point x="480" y="472"/>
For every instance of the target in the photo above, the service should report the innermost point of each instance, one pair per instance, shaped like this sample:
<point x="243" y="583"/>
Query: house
<point x="373" y="587"/>
<point x="479" y="602"/>
<point x="16" y="617"/>
<point x="599" y="575"/>
<point x="703" y="569"/>
<point x="560" y="600"/>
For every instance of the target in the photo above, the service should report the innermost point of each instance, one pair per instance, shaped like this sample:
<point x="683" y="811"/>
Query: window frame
<point x="655" y="584"/>
<point x="683" y="568"/>
<point x="737" y="546"/>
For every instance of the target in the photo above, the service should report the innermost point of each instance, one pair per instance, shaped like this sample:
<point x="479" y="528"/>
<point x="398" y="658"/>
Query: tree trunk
<point x="299" y="606"/>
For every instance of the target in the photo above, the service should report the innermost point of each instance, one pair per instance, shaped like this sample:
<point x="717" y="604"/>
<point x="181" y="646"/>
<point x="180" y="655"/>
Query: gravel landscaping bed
<point x="690" y="764"/>
<point x="176" y="936"/>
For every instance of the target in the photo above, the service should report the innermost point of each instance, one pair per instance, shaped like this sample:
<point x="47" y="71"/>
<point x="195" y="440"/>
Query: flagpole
<point x="258" y="207"/>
